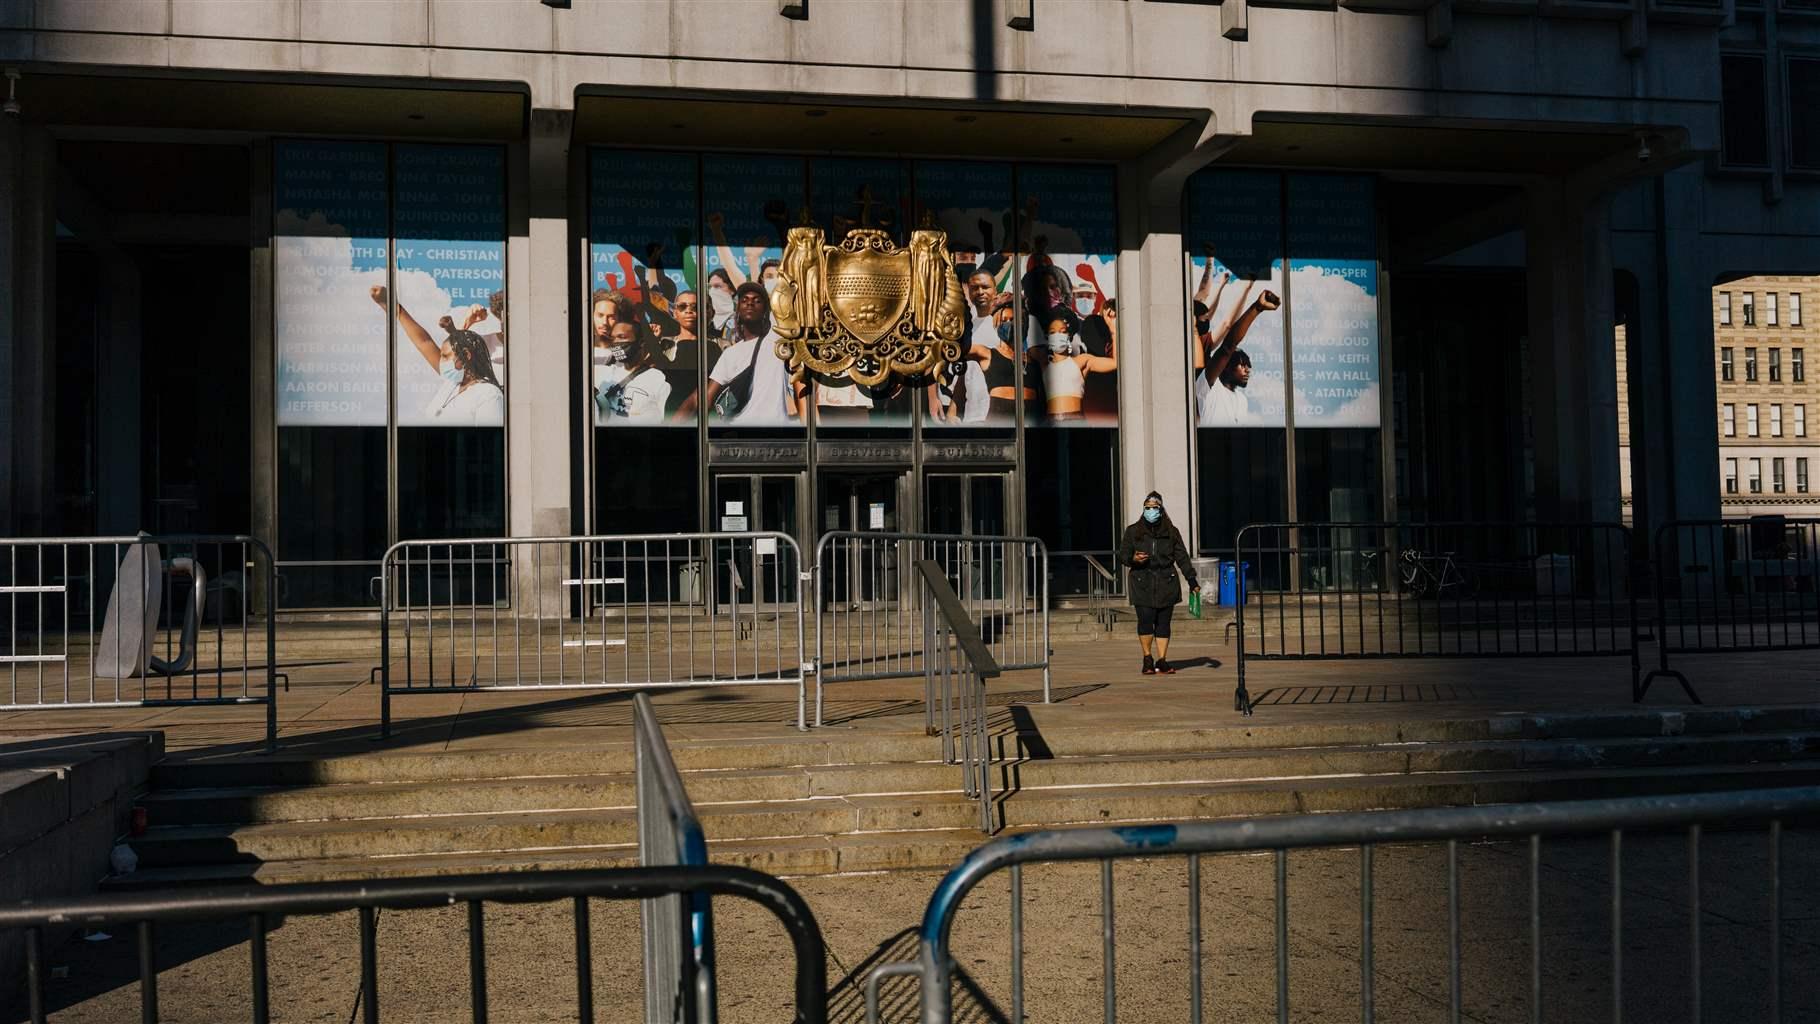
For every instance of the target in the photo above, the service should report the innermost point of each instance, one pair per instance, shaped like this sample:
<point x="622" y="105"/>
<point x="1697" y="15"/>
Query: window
<point x="1725" y="363"/>
<point x="1731" y="476"/>
<point x="1800" y="476"/>
<point x="1775" y="421"/>
<point x="1750" y="420"/>
<point x="1744" y="139"/>
<point x="1797" y="365"/>
<point x="1750" y="363"/>
<point x="1725" y="308"/>
<point x="1803" y="105"/>
<point x="1800" y="421"/>
<point x="1775" y="365"/>
<point x="1776" y="483"/>
<point x="1769" y="309"/>
<point x="1750" y="309"/>
<point x="1756" y="476"/>
<point x="1794" y="309"/>
<point x="1730" y="415"/>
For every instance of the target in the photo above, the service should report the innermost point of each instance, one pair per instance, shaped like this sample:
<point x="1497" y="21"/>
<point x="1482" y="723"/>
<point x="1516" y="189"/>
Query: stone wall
<point x="63" y="802"/>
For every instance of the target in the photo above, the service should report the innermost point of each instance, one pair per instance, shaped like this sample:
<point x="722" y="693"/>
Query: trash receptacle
<point x="688" y="583"/>
<point x="1207" y="570"/>
<point x="1232" y="582"/>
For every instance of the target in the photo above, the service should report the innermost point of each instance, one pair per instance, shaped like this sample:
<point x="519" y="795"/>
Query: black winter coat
<point x="1153" y="582"/>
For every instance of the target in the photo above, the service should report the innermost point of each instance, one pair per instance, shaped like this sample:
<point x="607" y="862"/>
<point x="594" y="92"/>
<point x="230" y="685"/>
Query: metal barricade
<point x="99" y="622"/>
<point x="1435" y="590"/>
<point x="955" y="671"/>
<point x="870" y="620"/>
<point x="935" y="966"/>
<point x="1735" y="585"/>
<point x="563" y="613"/>
<point x="678" y="929"/>
<point x="260" y="909"/>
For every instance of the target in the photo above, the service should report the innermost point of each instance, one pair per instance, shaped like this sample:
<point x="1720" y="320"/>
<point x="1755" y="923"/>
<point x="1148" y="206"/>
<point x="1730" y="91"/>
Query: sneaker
<point x="1163" y="668"/>
<point x="1149" y="665"/>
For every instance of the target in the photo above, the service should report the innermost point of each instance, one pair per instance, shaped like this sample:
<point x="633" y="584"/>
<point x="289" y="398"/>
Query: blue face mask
<point x="452" y="373"/>
<point x="1151" y="515"/>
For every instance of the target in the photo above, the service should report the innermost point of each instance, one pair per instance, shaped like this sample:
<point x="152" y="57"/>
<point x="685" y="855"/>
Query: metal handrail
<point x="1279" y="834"/>
<point x="678" y="936"/>
<point x="971" y="670"/>
<point x="1100" y="587"/>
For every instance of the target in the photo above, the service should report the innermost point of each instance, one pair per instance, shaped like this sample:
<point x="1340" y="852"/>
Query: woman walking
<point x="1153" y="549"/>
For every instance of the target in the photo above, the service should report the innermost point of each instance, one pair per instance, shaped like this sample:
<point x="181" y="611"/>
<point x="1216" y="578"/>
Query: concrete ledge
<point x="63" y="801"/>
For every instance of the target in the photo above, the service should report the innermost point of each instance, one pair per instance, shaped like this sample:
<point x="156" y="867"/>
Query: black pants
<point x="1154" y="621"/>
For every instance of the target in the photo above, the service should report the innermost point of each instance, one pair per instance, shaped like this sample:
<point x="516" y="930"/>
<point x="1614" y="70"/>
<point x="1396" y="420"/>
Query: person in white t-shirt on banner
<point x="750" y="386"/>
<point x="1222" y="369"/>
<point x="630" y="386"/>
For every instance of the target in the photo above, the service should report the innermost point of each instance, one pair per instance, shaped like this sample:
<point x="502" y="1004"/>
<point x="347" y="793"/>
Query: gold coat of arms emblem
<point x="865" y="311"/>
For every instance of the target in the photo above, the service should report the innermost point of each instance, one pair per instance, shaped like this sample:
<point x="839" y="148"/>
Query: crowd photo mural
<point x="684" y="257"/>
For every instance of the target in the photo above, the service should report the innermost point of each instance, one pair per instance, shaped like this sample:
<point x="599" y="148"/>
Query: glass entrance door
<point x="748" y="572"/>
<point x="970" y="505"/>
<point x="967" y="504"/>
<point x="862" y="571"/>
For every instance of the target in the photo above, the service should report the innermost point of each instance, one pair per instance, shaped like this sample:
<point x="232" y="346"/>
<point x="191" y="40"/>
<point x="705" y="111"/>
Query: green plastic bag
<point x="1194" y="602"/>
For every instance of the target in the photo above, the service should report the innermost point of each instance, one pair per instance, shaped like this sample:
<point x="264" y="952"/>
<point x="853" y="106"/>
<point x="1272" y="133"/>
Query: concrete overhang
<point x="804" y="125"/>
<point x="276" y="105"/>
<point x="1513" y="149"/>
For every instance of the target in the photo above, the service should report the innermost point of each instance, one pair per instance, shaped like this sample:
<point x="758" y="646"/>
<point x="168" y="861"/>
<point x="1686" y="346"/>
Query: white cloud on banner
<point x="1335" y="339"/>
<point x="418" y="382"/>
<point x="330" y="335"/>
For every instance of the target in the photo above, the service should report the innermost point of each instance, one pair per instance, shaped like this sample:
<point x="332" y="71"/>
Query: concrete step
<point x="866" y="834"/>
<point x="838" y="746"/>
<point x="347" y="801"/>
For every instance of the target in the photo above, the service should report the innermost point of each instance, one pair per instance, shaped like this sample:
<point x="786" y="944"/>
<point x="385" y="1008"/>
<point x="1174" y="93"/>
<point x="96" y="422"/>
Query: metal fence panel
<point x="1729" y="585"/>
<point x="1452" y="590"/>
<point x="260" y="909"/>
<point x="1614" y="818"/>
<point x="552" y="613"/>
<point x="871" y="616"/>
<point x="139" y="621"/>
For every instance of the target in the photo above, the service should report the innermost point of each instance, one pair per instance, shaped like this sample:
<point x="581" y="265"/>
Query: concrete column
<point x="11" y="145"/>
<point x="119" y="481"/>
<point x="1156" y="435"/>
<point x="34" y="321"/>
<point x="538" y="338"/>
<point x="1677" y="354"/>
<point x="1573" y="362"/>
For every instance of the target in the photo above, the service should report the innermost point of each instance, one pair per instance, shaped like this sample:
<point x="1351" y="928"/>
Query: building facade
<point x="341" y="273"/>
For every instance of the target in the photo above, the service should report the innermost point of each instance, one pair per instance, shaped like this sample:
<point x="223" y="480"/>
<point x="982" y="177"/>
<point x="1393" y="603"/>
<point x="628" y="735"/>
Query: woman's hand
<point x="1140" y="557"/>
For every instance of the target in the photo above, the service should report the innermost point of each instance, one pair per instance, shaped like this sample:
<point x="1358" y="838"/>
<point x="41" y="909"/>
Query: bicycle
<point x="1423" y="574"/>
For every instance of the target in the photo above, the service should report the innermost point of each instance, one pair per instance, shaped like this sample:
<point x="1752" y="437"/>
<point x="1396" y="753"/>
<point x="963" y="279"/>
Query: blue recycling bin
<point x="1232" y="582"/>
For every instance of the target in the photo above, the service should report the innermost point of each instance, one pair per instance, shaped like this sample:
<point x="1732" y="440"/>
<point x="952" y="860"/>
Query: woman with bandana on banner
<point x="470" y="394"/>
<point x="631" y="386"/>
